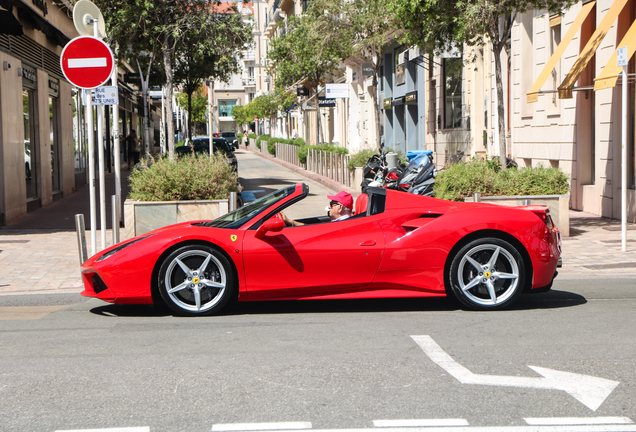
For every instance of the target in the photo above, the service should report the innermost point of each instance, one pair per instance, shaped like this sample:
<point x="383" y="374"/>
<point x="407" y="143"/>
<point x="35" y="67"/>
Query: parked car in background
<point x="201" y="145"/>
<point x="232" y="138"/>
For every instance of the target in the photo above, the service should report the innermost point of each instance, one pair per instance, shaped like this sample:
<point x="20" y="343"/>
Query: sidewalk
<point x="39" y="253"/>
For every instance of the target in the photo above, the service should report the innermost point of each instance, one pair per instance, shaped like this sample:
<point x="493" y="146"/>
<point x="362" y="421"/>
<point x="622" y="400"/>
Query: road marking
<point x="87" y="62"/>
<point x="554" y="421"/>
<point x="131" y="429"/>
<point x="590" y="391"/>
<point x="569" y="428"/>
<point x="419" y="423"/>
<point x="231" y="427"/>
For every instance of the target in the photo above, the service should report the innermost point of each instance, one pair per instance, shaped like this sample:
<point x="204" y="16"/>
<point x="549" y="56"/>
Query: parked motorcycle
<point x="419" y="176"/>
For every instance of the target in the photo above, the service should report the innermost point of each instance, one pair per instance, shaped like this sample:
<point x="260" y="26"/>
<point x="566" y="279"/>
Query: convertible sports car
<point x="403" y="245"/>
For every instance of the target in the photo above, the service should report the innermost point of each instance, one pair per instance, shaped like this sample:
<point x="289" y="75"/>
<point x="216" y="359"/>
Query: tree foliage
<point x="437" y="25"/>
<point x="161" y="27"/>
<point x="310" y="50"/>
<point x="196" y="103"/>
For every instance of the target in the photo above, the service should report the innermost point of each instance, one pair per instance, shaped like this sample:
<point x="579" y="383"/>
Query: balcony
<point x="249" y="55"/>
<point x="249" y="81"/>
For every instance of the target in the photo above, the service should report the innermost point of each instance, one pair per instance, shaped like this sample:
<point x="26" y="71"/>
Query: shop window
<point x="453" y="92"/>
<point x="225" y="107"/>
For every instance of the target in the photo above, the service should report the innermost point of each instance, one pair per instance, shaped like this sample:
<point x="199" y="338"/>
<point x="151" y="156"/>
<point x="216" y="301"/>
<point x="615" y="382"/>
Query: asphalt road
<point x="71" y="363"/>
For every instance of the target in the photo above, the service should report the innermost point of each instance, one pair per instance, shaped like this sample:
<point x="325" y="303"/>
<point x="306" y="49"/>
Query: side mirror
<point x="273" y="225"/>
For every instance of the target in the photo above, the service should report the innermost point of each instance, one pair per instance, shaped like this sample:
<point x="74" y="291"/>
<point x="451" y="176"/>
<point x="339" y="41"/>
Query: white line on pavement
<point x="578" y="421"/>
<point x="419" y="423"/>
<point x="260" y="426"/>
<point x="131" y="429"/>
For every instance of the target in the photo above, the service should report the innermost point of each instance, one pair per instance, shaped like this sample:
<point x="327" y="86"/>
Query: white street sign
<point x="590" y="391"/>
<point x="107" y="95"/>
<point x="336" y="91"/>
<point x="621" y="57"/>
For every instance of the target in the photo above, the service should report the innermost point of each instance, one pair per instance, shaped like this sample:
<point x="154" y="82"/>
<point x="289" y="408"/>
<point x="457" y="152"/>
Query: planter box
<point x="141" y="217"/>
<point x="559" y="206"/>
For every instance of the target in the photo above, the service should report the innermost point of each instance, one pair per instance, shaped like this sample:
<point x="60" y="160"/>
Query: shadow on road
<point x="549" y="300"/>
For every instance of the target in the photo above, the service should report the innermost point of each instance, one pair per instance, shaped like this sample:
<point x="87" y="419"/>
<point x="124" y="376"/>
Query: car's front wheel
<point x="486" y="274"/>
<point x="196" y="280"/>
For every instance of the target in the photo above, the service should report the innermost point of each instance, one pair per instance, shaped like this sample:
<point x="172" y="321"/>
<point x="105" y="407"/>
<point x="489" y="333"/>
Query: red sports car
<point x="404" y="245"/>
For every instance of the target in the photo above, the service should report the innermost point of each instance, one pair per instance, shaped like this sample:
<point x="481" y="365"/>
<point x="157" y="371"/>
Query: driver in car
<point x="340" y="208"/>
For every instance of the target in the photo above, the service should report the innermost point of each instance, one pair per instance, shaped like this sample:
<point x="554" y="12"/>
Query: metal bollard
<point x="115" y="207"/>
<point x="477" y="197"/>
<point x="391" y="160"/>
<point x="525" y="202"/>
<point x="232" y="201"/>
<point x="81" y="237"/>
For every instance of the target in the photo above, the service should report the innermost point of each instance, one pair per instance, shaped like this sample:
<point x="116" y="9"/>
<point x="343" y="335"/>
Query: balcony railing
<point x="249" y="55"/>
<point x="249" y="81"/>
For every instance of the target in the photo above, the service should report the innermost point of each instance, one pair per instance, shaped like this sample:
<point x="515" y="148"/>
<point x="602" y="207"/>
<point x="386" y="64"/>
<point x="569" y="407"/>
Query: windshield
<point x="222" y="144"/>
<point x="228" y="135"/>
<point x="240" y="216"/>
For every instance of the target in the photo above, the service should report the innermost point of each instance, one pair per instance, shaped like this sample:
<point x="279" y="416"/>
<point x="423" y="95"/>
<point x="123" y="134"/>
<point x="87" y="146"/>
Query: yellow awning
<point x="533" y="94"/>
<point x="565" y="89"/>
<point x="607" y="78"/>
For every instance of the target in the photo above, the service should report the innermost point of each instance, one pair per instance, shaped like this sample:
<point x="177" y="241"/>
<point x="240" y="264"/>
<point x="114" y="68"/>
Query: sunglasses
<point x="333" y="203"/>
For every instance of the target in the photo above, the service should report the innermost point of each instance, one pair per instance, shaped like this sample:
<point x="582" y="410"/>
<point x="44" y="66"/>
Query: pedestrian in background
<point x="131" y="147"/>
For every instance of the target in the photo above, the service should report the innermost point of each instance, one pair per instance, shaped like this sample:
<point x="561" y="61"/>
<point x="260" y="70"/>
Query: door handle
<point x="368" y="243"/>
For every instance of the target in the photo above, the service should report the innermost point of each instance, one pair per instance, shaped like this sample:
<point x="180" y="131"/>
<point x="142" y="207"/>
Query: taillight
<point x="405" y="185"/>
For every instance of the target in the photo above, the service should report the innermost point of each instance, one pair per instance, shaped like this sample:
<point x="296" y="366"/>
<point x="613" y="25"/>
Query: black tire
<point x="480" y="283"/>
<point x="196" y="271"/>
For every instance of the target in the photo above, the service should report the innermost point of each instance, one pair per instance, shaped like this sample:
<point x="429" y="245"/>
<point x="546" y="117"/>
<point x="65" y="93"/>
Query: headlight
<point x="120" y="247"/>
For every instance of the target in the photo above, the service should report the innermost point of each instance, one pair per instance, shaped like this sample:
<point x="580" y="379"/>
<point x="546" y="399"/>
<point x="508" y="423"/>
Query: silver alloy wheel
<point x="195" y="281"/>
<point x="488" y="274"/>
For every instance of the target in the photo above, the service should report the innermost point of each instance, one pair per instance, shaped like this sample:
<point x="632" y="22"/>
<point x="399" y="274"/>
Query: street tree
<point x="374" y="26"/>
<point x="309" y="52"/>
<point x="210" y="53"/>
<point x="196" y="104"/>
<point x="160" y="27"/>
<point x="438" y="25"/>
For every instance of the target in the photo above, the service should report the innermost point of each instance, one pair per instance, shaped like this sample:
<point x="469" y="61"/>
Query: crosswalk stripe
<point x="560" y="421"/>
<point x="419" y="423"/>
<point x="229" y="427"/>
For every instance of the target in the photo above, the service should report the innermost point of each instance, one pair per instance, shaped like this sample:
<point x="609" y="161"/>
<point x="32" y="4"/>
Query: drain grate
<point x="611" y="266"/>
<point x="14" y="241"/>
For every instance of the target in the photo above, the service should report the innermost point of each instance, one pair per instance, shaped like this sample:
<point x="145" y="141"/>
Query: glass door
<point x="30" y="145"/>
<point x="55" y="143"/>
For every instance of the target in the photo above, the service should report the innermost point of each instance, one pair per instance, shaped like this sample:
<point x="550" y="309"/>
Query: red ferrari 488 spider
<point x="403" y="245"/>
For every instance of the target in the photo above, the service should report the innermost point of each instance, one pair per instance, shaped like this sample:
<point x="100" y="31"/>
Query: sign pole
<point x="116" y="150"/>
<point x="622" y="60"/>
<point x="91" y="169"/>
<point x="100" y="153"/>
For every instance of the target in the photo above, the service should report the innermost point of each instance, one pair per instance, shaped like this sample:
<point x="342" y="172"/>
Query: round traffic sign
<point x="87" y="62"/>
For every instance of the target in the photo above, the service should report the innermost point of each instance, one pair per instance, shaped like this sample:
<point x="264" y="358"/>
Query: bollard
<point x="115" y="207"/>
<point x="477" y="197"/>
<point x="81" y="237"/>
<point x="525" y="202"/>
<point x="391" y="160"/>
<point x="232" y="201"/>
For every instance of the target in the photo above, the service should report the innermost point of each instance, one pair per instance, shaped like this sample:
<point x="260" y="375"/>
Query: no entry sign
<point x="87" y="62"/>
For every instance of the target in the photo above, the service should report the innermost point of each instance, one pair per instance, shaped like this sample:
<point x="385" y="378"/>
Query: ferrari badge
<point x="233" y="237"/>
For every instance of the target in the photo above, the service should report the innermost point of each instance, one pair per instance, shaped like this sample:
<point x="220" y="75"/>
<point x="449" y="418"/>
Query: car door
<point x="314" y="259"/>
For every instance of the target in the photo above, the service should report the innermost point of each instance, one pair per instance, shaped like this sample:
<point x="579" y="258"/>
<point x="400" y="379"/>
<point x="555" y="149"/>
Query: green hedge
<point x="360" y="159"/>
<point x="186" y="178"/>
<point x="462" y="180"/>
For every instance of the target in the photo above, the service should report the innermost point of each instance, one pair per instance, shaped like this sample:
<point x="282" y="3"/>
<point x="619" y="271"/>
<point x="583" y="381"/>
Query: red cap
<point x="343" y="198"/>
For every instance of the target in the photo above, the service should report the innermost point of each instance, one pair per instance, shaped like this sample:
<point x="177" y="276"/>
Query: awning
<point x="565" y="89"/>
<point x="607" y="78"/>
<point x="533" y="94"/>
<point x="9" y="24"/>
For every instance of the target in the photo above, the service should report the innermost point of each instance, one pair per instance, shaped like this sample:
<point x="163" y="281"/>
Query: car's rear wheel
<point x="487" y="274"/>
<point x="196" y="280"/>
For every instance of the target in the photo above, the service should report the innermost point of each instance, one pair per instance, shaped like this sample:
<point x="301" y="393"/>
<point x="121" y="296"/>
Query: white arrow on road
<point x="590" y="391"/>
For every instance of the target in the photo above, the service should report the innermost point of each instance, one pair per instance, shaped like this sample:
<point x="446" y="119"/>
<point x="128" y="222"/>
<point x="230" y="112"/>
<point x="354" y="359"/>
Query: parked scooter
<point x="419" y="176"/>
